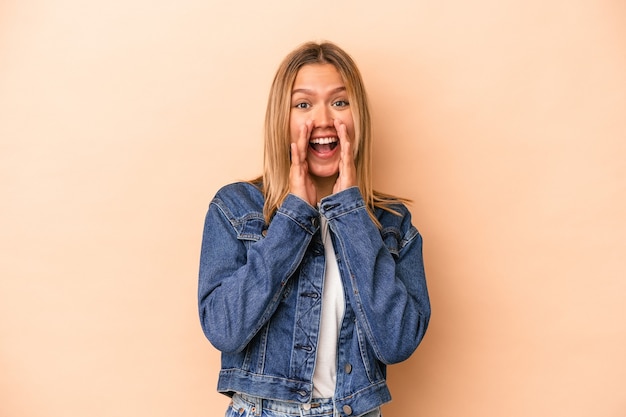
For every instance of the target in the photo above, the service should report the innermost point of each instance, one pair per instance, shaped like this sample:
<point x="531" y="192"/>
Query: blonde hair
<point x="276" y="164"/>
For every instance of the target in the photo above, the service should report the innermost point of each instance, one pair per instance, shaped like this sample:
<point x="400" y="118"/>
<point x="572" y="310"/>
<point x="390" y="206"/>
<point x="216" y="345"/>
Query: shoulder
<point x="239" y="190"/>
<point x="390" y="209"/>
<point x="240" y="199"/>
<point x="395" y="214"/>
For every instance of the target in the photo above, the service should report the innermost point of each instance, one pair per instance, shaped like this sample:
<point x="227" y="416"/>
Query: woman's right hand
<point x="300" y="183"/>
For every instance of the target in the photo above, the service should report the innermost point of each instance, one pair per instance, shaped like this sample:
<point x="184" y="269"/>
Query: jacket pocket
<point x="251" y="228"/>
<point x="391" y="238"/>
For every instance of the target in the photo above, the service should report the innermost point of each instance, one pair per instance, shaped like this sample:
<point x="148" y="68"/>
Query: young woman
<point x="310" y="281"/>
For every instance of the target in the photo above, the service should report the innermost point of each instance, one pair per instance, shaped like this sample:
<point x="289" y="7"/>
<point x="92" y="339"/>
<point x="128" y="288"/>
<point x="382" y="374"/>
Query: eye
<point x="302" y="105"/>
<point x="341" y="103"/>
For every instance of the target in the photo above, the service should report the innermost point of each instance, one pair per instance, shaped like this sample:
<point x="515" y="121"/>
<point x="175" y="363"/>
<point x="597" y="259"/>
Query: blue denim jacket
<point x="260" y="292"/>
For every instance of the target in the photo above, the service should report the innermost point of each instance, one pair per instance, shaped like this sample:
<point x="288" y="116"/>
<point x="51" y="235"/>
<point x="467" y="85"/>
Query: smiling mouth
<point x="324" y="145"/>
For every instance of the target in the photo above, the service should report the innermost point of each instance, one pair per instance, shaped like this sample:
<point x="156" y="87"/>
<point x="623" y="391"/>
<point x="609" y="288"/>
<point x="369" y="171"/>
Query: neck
<point x="324" y="186"/>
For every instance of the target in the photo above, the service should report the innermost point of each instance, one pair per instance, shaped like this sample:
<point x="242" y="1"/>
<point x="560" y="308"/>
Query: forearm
<point x="382" y="286"/>
<point x="241" y="283"/>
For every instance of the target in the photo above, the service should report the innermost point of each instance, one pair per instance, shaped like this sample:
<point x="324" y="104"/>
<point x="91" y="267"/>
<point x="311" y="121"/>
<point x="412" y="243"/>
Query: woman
<point x="310" y="281"/>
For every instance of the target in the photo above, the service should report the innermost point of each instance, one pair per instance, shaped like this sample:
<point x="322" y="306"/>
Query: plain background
<point x="503" y="121"/>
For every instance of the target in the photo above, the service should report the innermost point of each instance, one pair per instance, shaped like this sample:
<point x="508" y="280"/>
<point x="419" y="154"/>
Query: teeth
<point x="324" y="141"/>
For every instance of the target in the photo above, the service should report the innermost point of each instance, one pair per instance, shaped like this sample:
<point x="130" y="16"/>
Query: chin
<point x="324" y="173"/>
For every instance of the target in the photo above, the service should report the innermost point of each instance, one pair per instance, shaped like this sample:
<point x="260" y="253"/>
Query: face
<point x="319" y="95"/>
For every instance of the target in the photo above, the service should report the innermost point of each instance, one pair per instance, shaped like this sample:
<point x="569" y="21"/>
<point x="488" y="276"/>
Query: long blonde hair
<point x="276" y="163"/>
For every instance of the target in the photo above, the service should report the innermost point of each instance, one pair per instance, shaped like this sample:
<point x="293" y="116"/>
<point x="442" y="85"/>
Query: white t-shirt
<point x="333" y="307"/>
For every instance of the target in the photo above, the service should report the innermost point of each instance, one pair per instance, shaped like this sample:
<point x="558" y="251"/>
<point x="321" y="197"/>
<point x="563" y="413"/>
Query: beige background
<point x="504" y="121"/>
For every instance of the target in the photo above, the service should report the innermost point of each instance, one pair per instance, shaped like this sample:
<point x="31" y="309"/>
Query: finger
<point x="342" y="132"/>
<point x="296" y="147"/>
<point x="344" y="141"/>
<point x="303" y="139"/>
<point x="295" y="155"/>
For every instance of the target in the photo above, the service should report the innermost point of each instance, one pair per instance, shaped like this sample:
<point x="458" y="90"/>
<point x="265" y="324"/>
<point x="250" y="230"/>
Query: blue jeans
<point x="246" y="406"/>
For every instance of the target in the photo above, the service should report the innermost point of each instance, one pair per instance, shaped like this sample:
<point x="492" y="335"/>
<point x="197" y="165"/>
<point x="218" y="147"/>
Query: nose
<point x="323" y="117"/>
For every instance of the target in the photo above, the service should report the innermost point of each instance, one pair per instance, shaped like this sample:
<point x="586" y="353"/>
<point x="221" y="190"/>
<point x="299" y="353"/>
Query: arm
<point x="239" y="286"/>
<point x="387" y="291"/>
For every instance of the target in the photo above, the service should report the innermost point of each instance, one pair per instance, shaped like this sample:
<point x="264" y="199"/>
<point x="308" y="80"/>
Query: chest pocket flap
<point x="251" y="228"/>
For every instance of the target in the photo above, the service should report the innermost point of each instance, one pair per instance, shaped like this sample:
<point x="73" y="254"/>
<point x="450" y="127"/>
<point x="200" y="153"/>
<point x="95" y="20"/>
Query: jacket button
<point x="264" y="232"/>
<point x="315" y="221"/>
<point x="347" y="409"/>
<point x="347" y="368"/>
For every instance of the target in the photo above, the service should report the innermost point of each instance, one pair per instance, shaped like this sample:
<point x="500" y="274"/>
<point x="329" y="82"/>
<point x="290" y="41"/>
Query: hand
<point x="300" y="183"/>
<point x="347" y="169"/>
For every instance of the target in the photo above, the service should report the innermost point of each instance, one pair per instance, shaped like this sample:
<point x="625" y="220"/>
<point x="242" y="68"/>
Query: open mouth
<point x="324" y="145"/>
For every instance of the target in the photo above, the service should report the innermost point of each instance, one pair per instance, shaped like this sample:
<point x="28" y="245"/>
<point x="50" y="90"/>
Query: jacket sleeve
<point x="383" y="274"/>
<point x="240" y="284"/>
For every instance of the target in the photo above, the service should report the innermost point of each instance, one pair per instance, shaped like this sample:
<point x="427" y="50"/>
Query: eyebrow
<point x="311" y="92"/>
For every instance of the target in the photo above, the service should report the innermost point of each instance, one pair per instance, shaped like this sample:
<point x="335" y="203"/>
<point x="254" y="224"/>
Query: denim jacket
<point x="260" y="291"/>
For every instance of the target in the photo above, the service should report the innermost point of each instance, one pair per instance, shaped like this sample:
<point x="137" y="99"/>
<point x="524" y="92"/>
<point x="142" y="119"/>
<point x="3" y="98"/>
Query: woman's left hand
<point x="347" y="169"/>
